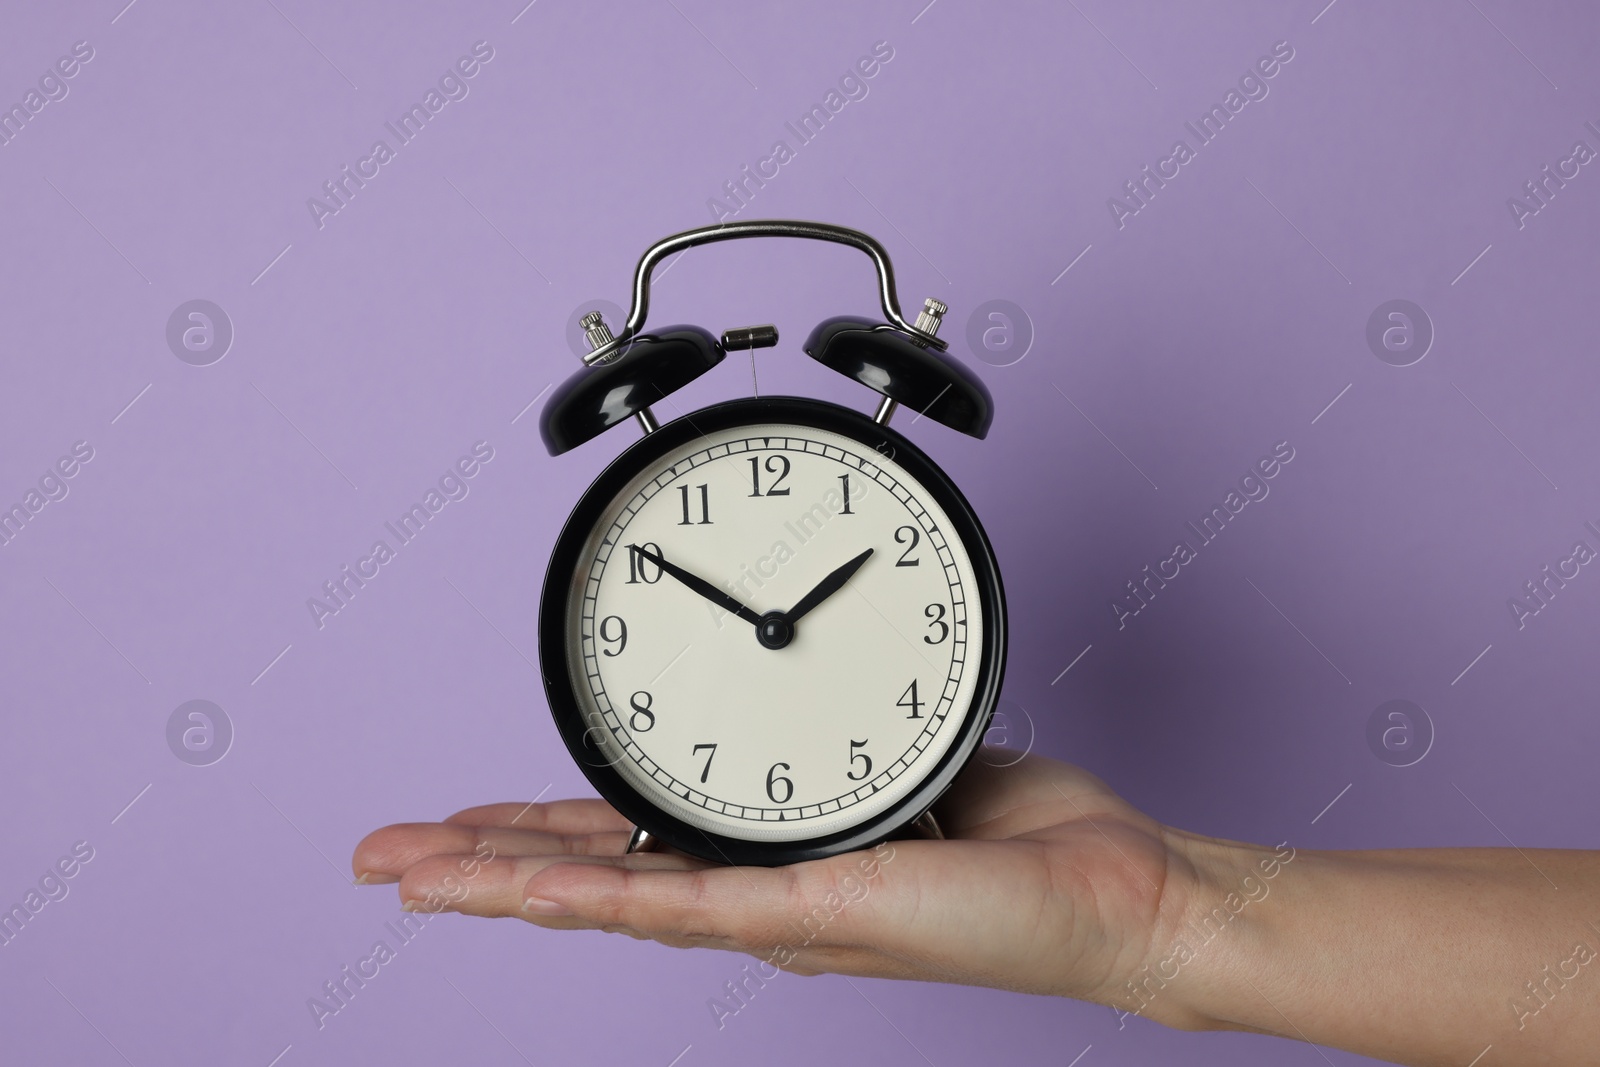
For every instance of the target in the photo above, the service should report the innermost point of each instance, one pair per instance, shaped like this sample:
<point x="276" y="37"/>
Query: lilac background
<point x="415" y="322"/>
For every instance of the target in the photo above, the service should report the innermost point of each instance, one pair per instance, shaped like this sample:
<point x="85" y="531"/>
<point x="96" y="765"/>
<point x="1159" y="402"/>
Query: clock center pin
<point x="775" y="630"/>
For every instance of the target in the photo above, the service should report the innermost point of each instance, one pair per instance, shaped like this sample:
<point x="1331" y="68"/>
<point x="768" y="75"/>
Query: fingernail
<point x="374" y="878"/>
<point x="412" y="905"/>
<point x="541" y="906"/>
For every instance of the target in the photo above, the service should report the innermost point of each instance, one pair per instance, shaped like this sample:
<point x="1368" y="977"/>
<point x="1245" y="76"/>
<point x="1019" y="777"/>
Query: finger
<point x="821" y="902"/>
<point x="494" y="888"/>
<point x="577" y="816"/>
<point x="383" y="855"/>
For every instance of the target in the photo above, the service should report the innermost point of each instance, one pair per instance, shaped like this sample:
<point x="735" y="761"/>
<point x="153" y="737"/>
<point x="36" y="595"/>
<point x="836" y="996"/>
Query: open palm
<point x="1047" y="883"/>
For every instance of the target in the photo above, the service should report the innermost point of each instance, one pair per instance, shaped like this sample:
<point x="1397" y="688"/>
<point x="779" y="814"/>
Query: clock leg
<point x="641" y="840"/>
<point x="925" y="825"/>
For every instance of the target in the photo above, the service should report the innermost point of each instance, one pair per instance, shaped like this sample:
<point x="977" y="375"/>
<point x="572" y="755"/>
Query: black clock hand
<point x="826" y="588"/>
<point x="701" y="586"/>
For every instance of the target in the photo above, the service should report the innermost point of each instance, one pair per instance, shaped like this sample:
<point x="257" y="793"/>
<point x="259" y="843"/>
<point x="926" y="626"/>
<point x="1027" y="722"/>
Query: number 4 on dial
<point x="908" y="699"/>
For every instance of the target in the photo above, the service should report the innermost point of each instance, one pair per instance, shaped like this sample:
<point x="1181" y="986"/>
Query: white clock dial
<point x="787" y="743"/>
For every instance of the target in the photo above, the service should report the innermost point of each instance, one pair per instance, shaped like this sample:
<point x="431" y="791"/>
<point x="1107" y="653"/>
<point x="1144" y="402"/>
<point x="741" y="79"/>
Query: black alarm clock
<point x="772" y="630"/>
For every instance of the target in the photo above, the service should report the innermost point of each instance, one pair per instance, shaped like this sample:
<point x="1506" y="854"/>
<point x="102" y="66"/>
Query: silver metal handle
<point x="731" y="231"/>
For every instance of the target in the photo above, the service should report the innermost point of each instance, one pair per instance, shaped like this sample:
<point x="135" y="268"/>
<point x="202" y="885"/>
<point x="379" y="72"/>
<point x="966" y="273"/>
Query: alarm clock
<point x="773" y="629"/>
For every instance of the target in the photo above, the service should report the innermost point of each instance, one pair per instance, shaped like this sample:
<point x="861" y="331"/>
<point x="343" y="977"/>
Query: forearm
<point x="1418" y="956"/>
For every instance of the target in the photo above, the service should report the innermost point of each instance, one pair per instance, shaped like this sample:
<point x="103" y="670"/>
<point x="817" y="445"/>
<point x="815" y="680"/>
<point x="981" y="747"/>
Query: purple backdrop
<point x="1150" y="345"/>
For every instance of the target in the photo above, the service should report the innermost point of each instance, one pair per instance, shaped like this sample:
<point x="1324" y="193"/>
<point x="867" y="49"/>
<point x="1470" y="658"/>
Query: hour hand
<point x="827" y="587"/>
<point x="701" y="586"/>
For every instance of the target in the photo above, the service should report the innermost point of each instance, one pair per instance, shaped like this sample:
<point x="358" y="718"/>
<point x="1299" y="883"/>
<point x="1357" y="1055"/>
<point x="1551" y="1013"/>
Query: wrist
<point x="1215" y="917"/>
<point x="1368" y="951"/>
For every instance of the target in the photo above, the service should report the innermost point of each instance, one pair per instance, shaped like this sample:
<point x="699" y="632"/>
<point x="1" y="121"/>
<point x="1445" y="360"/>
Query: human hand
<point x="1047" y="883"/>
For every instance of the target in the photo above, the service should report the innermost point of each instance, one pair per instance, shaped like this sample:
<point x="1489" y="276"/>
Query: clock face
<point x="772" y="630"/>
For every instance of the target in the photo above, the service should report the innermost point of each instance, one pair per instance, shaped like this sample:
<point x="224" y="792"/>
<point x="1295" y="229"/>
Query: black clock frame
<point x="559" y="585"/>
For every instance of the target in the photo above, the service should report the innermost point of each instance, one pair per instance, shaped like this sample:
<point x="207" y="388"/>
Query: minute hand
<point x="701" y="586"/>
<point x="827" y="587"/>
